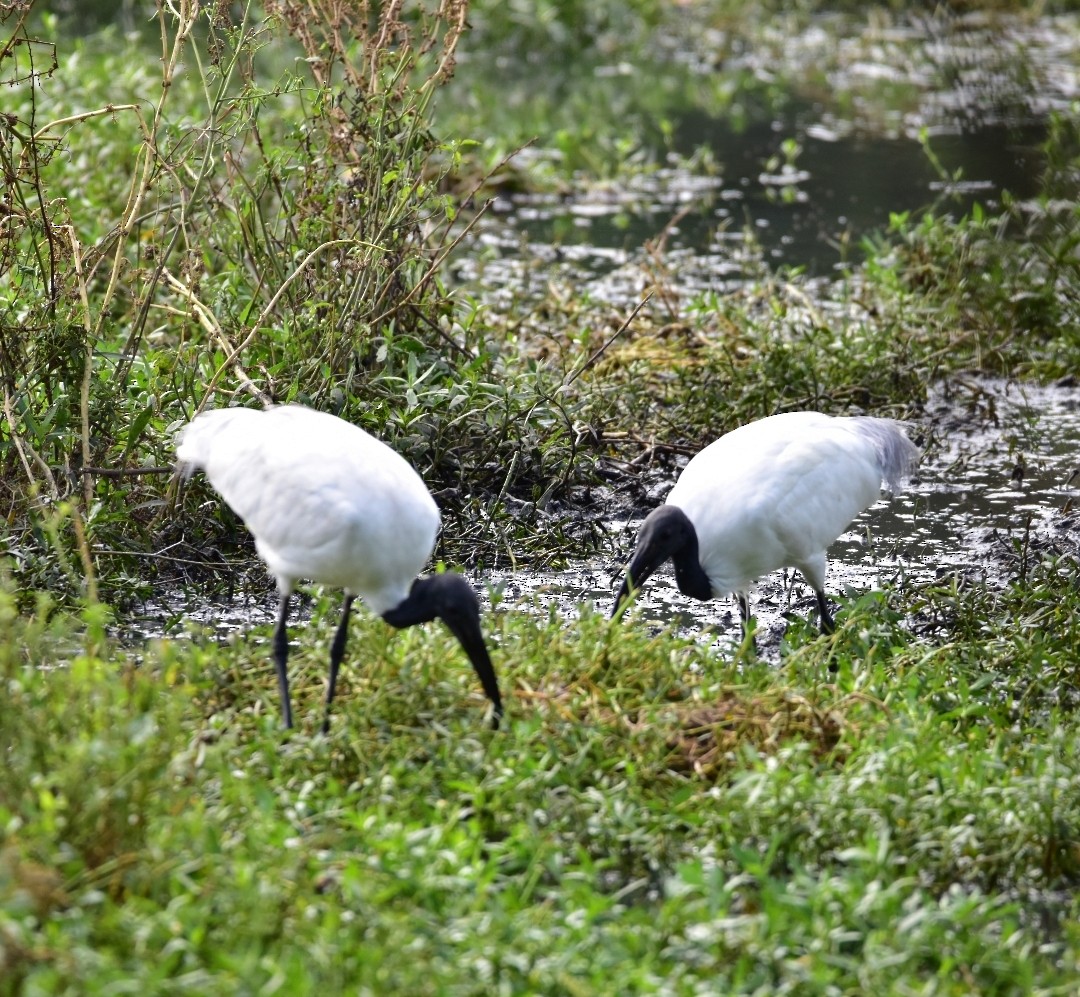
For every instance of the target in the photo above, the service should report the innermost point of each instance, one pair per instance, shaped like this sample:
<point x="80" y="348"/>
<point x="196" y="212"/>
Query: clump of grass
<point x="709" y="735"/>
<point x="88" y="744"/>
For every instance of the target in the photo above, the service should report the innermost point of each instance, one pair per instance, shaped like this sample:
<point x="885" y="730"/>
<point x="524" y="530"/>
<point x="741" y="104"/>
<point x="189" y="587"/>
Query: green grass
<point x="873" y="815"/>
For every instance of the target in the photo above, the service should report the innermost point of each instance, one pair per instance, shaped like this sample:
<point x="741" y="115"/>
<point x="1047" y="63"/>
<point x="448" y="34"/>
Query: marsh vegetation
<point x="405" y="215"/>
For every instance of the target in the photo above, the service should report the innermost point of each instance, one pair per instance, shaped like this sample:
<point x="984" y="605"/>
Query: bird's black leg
<point x="744" y="619"/>
<point x="744" y="611"/>
<point x="337" y="652"/>
<point x="281" y="656"/>
<point x="827" y="626"/>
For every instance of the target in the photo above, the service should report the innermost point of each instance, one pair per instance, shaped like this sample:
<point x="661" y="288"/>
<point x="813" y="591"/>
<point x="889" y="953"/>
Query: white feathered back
<point x="324" y="499"/>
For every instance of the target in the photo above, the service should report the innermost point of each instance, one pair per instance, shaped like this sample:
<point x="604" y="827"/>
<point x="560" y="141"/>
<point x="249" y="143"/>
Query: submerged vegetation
<point x="264" y="204"/>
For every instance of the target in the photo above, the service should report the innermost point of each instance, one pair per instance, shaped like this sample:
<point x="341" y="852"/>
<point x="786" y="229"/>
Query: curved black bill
<point x="450" y="597"/>
<point x="644" y="562"/>
<point x="472" y="641"/>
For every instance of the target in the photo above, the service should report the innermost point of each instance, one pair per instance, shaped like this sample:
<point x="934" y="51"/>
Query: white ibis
<point x="770" y="494"/>
<point x="328" y="502"/>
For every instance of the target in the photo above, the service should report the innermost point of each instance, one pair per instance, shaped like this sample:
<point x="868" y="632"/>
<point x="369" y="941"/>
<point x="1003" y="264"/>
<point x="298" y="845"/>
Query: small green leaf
<point x="136" y="428"/>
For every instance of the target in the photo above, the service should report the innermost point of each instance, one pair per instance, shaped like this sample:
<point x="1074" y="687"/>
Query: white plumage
<point x="321" y="497"/>
<point x="771" y="494"/>
<point x="328" y="502"/>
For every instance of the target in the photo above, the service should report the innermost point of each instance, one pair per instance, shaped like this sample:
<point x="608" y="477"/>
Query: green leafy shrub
<point x="277" y="237"/>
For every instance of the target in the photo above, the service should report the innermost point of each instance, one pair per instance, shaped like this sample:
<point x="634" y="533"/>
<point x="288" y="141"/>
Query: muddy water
<point x="995" y="489"/>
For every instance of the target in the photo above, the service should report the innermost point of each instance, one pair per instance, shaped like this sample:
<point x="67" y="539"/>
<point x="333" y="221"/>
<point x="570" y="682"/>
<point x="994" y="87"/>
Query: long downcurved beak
<point x="450" y="598"/>
<point x="646" y="559"/>
<point x="469" y="635"/>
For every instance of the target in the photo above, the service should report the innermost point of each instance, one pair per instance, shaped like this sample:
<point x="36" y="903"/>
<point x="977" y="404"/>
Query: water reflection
<point x="844" y="189"/>
<point x="818" y="142"/>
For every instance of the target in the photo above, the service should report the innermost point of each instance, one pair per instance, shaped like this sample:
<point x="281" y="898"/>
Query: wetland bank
<point x="855" y="210"/>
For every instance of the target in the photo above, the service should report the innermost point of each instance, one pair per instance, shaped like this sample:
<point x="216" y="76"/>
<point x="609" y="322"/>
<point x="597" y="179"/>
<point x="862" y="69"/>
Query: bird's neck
<point x="689" y="574"/>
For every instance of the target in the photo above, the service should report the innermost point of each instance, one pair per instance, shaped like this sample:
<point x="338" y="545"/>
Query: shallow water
<point x="845" y="188"/>
<point x="862" y="96"/>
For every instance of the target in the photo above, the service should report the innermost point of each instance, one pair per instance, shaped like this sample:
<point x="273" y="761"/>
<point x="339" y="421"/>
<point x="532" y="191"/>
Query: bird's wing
<point x="775" y="496"/>
<point x="324" y="499"/>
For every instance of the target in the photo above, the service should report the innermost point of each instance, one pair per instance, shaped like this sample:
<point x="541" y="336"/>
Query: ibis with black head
<point x="771" y="494"/>
<point x="328" y="502"/>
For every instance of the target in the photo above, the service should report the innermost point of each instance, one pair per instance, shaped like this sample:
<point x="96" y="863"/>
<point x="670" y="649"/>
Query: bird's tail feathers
<point x="897" y="455"/>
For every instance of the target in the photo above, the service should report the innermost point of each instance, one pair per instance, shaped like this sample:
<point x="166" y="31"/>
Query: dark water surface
<point x="846" y="189"/>
<point x="863" y="99"/>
